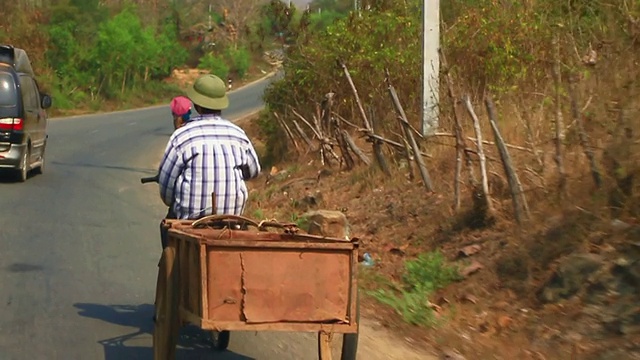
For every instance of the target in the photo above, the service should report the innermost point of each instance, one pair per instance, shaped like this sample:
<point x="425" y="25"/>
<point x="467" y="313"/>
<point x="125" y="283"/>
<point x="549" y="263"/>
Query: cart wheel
<point x="220" y="339"/>
<point x="165" y="333"/>
<point x="350" y="341"/>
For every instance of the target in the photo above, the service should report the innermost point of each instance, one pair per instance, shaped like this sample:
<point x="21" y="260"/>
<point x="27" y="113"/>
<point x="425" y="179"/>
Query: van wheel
<point x="40" y="169"/>
<point x="23" y="171"/>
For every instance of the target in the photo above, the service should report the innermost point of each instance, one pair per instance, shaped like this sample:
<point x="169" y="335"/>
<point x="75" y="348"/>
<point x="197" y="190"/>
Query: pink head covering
<point x="180" y="105"/>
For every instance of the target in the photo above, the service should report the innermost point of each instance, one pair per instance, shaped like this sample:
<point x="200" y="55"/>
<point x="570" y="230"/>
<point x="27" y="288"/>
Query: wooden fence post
<point x="424" y="173"/>
<point x="377" y="147"/>
<point x="559" y="128"/>
<point x="519" y="200"/>
<point x="584" y="138"/>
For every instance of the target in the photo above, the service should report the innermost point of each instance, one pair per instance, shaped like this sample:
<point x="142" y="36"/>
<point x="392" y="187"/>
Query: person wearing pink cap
<point x="181" y="111"/>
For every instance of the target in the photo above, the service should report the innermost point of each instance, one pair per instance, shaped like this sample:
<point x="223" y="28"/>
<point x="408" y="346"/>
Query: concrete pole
<point x="431" y="66"/>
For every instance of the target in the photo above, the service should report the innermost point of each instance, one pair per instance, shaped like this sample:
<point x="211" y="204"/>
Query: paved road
<point x="79" y="247"/>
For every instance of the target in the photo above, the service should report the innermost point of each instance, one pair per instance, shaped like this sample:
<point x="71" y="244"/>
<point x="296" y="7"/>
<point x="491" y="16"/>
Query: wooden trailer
<point x="230" y="273"/>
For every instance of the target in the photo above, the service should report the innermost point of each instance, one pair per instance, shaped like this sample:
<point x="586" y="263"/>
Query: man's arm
<point x="170" y="167"/>
<point x="252" y="167"/>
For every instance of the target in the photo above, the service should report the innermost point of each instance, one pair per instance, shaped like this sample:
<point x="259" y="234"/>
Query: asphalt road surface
<point x="79" y="247"/>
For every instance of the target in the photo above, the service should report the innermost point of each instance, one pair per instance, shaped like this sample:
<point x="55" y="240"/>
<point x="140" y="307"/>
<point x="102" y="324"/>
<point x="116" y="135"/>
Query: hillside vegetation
<point x="543" y="232"/>
<point x="95" y="55"/>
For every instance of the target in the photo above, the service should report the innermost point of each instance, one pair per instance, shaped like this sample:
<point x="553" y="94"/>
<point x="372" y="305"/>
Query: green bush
<point x="421" y="278"/>
<point x="107" y="56"/>
<point x="276" y="149"/>
<point x="215" y="64"/>
<point x="61" y="100"/>
<point x="389" y="36"/>
<point x="239" y="60"/>
<point x="320" y="21"/>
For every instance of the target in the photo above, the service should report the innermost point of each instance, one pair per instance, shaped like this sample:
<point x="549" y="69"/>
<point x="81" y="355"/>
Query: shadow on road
<point x="111" y="167"/>
<point x="192" y="344"/>
<point x="9" y="177"/>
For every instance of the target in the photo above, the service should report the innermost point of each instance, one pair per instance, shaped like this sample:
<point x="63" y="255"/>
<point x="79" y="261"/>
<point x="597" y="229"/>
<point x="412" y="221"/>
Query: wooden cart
<point x="229" y="273"/>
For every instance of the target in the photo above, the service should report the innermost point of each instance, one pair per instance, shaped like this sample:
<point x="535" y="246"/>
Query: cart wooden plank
<point x="324" y="345"/>
<point x="288" y="327"/>
<point x="167" y="322"/>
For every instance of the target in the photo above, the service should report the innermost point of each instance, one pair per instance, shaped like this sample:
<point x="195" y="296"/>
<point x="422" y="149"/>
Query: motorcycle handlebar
<point x="150" y="179"/>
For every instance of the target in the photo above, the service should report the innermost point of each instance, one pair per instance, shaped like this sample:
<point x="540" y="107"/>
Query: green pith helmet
<point x="209" y="92"/>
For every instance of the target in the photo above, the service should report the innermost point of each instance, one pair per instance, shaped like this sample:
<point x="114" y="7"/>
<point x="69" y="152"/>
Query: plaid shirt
<point x="204" y="157"/>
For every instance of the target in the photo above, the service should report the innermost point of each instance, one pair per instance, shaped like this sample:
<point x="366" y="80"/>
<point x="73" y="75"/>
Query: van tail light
<point x="12" y="124"/>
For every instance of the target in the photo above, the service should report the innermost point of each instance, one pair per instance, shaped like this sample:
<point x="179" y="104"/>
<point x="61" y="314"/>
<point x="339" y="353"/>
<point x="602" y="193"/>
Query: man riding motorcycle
<point x="207" y="160"/>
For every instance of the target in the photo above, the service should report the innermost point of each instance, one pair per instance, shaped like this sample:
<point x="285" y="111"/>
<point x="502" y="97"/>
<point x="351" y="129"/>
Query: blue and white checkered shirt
<point x="204" y="157"/>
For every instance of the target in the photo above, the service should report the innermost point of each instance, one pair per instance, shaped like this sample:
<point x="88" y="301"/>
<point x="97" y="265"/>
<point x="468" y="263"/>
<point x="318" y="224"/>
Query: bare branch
<point x="483" y="159"/>
<point x="485" y="142"/>
<point x="315" y="132"/>
<point x="459" y="133"/>
<point x="303" y="135"/>
<point x="355" y="93"/>
<point x="287" y="131"/>
<point x="352" y="145"/>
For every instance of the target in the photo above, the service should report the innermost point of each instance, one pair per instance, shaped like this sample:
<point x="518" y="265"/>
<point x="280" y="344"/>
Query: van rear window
<point x="8" y="94"/>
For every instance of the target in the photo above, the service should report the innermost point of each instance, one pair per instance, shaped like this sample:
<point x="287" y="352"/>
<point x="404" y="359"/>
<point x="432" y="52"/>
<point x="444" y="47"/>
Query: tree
<point x="338" y="6"/>
<point x="279" y="18"/>
<point x="368" y="44"/>
<point x="237" y="14"/>
<point x="126" y="52"/>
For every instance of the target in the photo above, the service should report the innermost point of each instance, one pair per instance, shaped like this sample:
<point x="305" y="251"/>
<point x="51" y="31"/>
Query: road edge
<point x="267" y="76"/>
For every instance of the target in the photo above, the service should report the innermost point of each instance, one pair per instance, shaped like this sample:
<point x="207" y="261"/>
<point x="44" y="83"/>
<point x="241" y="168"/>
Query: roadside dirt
<point x="377" y="342"/>
<point x="184" y="77"/>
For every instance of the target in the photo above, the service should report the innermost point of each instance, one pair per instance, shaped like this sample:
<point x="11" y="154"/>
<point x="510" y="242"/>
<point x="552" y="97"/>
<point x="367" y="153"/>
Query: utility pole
<point x="356" y="7"/>
<point x="430" y="66"/>
<point x="210" y="21"/>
